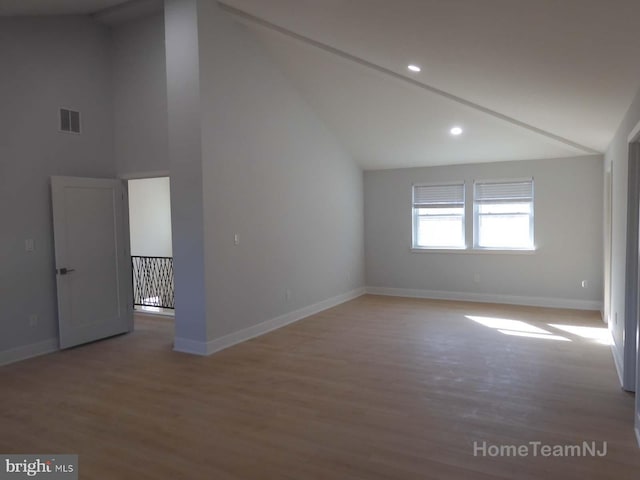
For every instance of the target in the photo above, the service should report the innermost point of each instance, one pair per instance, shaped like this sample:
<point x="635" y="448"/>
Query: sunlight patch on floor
<point x="545" y="336"/>
<point x="517" y="328"/>
<point x="599" y="335"/>
<point x="506" y="324"/>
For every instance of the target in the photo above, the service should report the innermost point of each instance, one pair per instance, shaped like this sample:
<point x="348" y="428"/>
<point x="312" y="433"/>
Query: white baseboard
<point x="28" y="351"/>
<point x="488" y="298"/>
<point x="628" y="384"/>
<point x="637" y="429"/>
<point x="617" y="361"/>
<point x="207" y="348"/>
<point x="190" y="346"/>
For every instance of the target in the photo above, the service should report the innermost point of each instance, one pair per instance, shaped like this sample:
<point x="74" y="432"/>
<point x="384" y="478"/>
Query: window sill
<point x="473" y="251"/>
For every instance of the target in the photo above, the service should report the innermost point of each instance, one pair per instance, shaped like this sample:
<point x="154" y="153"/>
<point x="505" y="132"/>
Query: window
<point x="69" y="121"/>
<point x="438" y="216"/>
<point x="503" y="215"/>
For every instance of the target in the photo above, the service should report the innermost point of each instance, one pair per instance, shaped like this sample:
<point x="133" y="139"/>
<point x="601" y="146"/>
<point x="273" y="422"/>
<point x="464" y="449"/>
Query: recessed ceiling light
<point x="455" y="131"/>
<point x="414" y="68"/>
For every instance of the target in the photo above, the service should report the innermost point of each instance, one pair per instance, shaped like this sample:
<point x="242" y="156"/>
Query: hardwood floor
<point x="377" y="388"/>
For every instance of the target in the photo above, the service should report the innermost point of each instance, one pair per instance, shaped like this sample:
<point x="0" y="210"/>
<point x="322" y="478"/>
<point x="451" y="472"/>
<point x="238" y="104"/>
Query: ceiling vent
<point x="69" y="121"/>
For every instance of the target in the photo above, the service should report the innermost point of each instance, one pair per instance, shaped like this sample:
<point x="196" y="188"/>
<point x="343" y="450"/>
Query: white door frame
<point x="608" y="243"/>
<point x="631" y="272"/>
<point x="144" y="176"/>
<point x="632" y="325"/>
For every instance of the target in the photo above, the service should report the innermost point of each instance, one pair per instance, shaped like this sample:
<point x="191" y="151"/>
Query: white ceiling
<point x="55" y="7"/>
<point x="386" y="123"/>
<point x="566" y="67"/>
<point x="525" y="78"/>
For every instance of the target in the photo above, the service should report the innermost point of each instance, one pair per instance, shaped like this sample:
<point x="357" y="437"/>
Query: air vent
<point x="69" y="121"/>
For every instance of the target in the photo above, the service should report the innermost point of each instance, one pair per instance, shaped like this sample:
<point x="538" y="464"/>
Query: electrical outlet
<point x="287" y="294"/>
<point x="33" y="320"/>
<point x="584" y="283"/>
<point x="236" y="239"/>
<point x="29" y="245"/>
<point x="476" y="278"/>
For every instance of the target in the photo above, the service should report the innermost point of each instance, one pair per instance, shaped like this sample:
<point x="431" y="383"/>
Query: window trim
<point x="470" y="246"/>
<point x="414" y="216"/>
<point x="476" y="214"/>
<point x="476" y="251"/>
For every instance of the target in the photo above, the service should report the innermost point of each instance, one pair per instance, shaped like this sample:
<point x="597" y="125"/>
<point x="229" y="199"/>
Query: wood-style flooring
<point x="378" y="388"/>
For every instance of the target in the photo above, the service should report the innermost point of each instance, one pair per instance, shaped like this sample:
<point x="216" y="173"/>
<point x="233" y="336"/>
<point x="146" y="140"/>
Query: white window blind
<point x="438" y="195"/>
<point x="504" y="191"/>
<point x="503" y="215"/>
<point x="438" y="216"/>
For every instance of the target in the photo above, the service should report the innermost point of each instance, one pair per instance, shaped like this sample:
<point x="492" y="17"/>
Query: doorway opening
<point x="151" y="248"/>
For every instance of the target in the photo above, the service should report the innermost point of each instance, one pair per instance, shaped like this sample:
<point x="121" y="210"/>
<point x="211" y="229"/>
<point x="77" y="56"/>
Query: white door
<point x="93" y="267"/>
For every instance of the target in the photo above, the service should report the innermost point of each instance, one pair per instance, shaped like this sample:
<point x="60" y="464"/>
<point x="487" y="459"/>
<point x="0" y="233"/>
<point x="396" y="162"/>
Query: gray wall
<point x="274" y="175"/>
<point x="568" y="235"/>
<point x="45" y="63"/>
<point x="140" y="96"/>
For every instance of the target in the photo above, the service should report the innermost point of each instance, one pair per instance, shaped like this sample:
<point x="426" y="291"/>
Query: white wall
<point x="140" y="96"/>
<point x="568" y="236"/>
<point x="46" y="63"/>
<point x="150" y="217"/>
<point x="185" y="161"/>
<point x="623" y="329"/>
<point x="275" y="176"/>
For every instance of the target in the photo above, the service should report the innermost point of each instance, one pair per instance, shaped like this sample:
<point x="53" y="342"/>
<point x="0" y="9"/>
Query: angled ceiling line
<point x="242" y="15"/>
<point x="127" y="10"/>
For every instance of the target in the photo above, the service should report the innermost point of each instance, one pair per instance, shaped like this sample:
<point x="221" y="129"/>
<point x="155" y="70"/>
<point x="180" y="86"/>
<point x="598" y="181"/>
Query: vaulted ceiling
<point x="55" y="7"/>
<point x="524" y="79"/>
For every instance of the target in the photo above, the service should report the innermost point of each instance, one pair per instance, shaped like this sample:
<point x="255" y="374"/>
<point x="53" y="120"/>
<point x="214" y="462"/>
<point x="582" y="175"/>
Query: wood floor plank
<point x="378" y="388"/>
